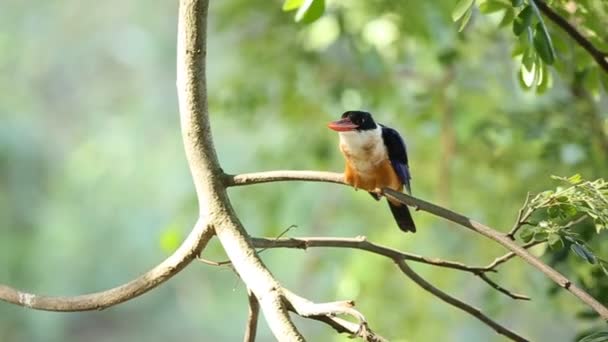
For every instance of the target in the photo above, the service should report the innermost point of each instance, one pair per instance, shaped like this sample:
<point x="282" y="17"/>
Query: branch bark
<point x="213" y="200"/>
<point x="361" y="243"/>
<point x="252" y="318"/>
<point x="399" y="258"/>
<point x="503" y="239"/>
<point x="188" y="251"/>
<point x="599" y="56"/>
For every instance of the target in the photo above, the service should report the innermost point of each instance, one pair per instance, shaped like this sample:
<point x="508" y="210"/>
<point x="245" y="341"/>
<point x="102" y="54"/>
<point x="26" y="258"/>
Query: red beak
<point x="343" y="125"/>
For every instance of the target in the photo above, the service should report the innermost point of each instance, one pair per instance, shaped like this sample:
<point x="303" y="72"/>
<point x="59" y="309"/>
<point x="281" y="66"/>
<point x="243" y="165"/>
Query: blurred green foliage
<point x="94" y="188"/>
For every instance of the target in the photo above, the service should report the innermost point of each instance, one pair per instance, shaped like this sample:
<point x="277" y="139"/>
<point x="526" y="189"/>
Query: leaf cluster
<point x="552" y="214"/>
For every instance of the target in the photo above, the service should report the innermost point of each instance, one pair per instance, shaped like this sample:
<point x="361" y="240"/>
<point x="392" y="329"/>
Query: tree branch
<point x="492" y="234"/>
<point x="362" y="244"/>
<point x="599" y="56"/>
<point x="188" y="251"/>
<point x="456" y="302"/>
<point x="326" y="312"/>
<point x="207" y="174"/>
<point x="398" y="258"/>
<point x="252" y="318"/>
<point x="464" y="221"/>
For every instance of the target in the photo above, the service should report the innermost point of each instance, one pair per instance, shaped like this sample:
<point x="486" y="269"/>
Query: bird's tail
<point x="402" y="215"/>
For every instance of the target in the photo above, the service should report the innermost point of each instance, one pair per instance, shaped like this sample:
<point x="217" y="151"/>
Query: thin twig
<point x="599" y="56"/>
<point x="457" y="302"/>
<point x="362" y="244"/>
<point x="521" y="218"/>
<point x="252" y="318"/>
<point x="501" y="289"/>
<point x="510" y="255"/>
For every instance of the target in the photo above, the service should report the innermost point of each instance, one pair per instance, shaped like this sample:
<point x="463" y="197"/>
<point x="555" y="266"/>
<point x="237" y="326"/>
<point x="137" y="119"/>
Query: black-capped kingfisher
<point x="376" y="158"/>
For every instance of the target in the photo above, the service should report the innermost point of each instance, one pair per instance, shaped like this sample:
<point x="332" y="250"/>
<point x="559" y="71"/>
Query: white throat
<point x="364" y="149"/>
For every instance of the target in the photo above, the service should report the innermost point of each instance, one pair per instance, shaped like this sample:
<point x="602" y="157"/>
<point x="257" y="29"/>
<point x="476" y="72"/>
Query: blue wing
<point x="397" y="154"/>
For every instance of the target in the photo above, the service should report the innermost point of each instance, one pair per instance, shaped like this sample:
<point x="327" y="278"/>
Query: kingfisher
<point x="376" y="158"/>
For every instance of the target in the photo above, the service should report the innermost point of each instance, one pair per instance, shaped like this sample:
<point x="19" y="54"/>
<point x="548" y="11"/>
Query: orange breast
<point x="382" y="175"/>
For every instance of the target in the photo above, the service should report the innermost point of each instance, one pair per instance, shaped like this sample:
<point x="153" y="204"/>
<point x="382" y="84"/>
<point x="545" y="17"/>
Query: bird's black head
<point x="353" y="120"/>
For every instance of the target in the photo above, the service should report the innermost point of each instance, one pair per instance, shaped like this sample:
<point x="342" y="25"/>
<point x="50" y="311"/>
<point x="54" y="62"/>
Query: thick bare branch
<point x="188" y="251"/>
<point x="437" y="211"/>
<point x="252" y="318"/>
<point x="207" y="174"/>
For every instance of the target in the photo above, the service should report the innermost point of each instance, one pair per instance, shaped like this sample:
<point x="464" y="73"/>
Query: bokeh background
<point x="95" y="189"/>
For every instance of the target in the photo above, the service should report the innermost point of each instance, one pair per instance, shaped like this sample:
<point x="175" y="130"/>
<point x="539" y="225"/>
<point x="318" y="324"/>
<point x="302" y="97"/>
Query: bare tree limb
<point x="311" y="310"/>
<point x="207" y="174"/>
<point x="599" y="56"/>
<point x="457" y="302"/>
<point x="252" y="318"/>
<point x="464" y="221"/>
<point x="362" y="244"/>
<point x="326" y="312"/>
<point x="190" y="248"/>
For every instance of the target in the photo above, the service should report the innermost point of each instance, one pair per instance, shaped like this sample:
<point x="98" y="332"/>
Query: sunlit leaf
<point x="492" y="6"/>
<point x="507" y="19"/>
<point x="461" y="9"/>
<point x="546" y="80"/>
<point x="290" y="5"/>
<point x="310" y="11"/>
<point x="529" y="58"/>
<point x="575" y="179"/>
<point x="465" y="19"/>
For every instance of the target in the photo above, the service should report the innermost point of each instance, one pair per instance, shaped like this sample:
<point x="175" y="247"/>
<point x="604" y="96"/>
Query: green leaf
<point x="555" y="241"/>
<point x="517" y="3"/>
<point x="465" y="19"/>
<point x="575" y="179"/>
<point x="523" y="20"/>
<point x="543" y="44"/>
<point x="290" y="5"/>
<point x="553" y="212"/>
<point x="507" y="19"/>
<point x="461" y="9"/>
<point x="598" y="336"/>
<point x="492" y="6"/>
<point x="310" y="11"/>
<point x="526" y="234"/>
<point x="545" y="81"/>
<point x="540" y="236"/>
<point x="528" y="58"/>
<point x="583" y="252"/>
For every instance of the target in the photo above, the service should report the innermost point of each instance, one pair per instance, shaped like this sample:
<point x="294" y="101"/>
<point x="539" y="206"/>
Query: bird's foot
<point x="377" y="192"/>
